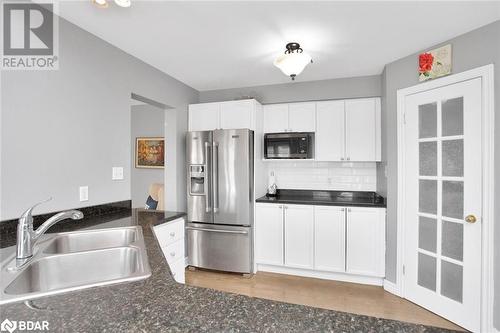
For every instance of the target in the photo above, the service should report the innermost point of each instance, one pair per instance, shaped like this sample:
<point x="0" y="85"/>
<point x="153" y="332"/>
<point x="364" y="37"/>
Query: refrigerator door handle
<point x="216" y="176"/>
<point x="208" y="209"/>
<point x="218" y="230"/>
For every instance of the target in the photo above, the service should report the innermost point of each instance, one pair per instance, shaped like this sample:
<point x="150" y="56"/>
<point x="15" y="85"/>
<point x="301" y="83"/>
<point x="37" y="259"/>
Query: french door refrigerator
<point x="220" y="199"/>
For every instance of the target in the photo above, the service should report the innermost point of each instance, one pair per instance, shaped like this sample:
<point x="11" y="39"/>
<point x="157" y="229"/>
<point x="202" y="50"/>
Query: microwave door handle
<point x="216" y="176"/>
<point x="208" y="209"/>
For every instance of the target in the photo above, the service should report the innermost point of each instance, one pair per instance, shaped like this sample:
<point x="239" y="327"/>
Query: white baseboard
<point x="186" y="262"/>
<point x="337" y="276"/>
<point x="391" y="287"/>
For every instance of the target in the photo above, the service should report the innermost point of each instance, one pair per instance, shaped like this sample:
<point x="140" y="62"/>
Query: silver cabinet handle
<point x="172" y="254"/>
<point x="216" y="176"/>
<point x="218" y="230"/>
<point x="172" y="234"/>
<point x="207" y="201"/>
<point x="341" y="158"/>
<point x="348" y="158"/>
<point x="280" y="206"/>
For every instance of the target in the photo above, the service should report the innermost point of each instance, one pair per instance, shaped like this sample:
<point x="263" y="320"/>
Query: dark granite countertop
<point x="326" y="198"/>
<point x="159" y="304"/>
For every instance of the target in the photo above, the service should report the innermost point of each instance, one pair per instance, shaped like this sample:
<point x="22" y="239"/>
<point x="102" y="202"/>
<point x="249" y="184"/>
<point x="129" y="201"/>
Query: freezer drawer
<point x="218" y="247"/>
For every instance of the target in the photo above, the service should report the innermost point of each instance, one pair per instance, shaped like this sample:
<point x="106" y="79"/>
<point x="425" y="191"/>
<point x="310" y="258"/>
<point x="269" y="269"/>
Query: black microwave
<point x="290" y="145"/>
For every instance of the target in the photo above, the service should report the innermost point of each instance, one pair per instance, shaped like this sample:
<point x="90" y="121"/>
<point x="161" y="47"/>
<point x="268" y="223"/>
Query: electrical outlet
<point x="84" y="193"/>
<point x="117" y="173"/>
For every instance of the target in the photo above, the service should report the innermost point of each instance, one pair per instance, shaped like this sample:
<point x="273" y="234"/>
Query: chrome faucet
<point x="27" y="237"/>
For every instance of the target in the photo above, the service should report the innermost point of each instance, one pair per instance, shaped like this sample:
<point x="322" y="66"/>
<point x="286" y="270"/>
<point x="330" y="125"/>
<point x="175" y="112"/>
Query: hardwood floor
<point x="333" y="295"/>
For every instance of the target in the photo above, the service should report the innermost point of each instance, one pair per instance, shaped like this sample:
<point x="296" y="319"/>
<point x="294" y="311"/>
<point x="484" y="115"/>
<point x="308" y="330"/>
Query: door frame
<point x="486" y="73"/>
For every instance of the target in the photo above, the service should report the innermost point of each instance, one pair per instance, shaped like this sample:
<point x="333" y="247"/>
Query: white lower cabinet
<point x="299" y="236"/>
<point x="365" y="241"/>
<point x="339" y="243"/>
<point x="170" y="236"/>
<point x="329" y="238"/>
<point x="269" y="234"/>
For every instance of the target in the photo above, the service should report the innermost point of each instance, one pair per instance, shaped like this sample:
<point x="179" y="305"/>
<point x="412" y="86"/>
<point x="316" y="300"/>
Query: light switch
<point x="117" y="173"/>
<point x="84" y="193"/>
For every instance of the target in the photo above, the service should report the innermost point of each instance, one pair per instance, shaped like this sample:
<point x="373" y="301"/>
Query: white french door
<point x="442" y="201"/>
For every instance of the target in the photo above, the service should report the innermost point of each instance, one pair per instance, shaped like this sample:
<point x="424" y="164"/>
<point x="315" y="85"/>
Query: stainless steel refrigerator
<point x="220" y="199"/>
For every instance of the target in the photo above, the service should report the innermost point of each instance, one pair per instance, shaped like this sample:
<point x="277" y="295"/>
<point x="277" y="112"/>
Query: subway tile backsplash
<point x="325" y="175"/>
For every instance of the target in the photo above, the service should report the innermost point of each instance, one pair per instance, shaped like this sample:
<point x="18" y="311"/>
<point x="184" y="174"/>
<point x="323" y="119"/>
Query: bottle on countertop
<point x="271" y="185"/>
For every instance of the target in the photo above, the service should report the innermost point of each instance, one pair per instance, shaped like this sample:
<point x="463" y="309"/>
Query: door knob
<point x="470" y="219"/>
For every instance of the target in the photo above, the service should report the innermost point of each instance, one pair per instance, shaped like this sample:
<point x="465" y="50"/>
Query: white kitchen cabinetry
<point x="204" y="117"/>
<point x="330" y="242"/>
<point x="223" y="115"/>
<point x="365" y="241"/>
<point x="275" y="118"/>
<point x="237" y="114"/>
<point x="362" y="129"/>
<point x="292" y="117"/>
<point x="302" y="117"/>
<point x="269" y="234"/>
<point x="299" y="248"/>
<point x="170" y="236"/>
<point x="330" y="131"/>
<point x="329" y="238"/>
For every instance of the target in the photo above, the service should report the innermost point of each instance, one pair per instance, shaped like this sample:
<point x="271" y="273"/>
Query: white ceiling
<point x="217" y="45"/>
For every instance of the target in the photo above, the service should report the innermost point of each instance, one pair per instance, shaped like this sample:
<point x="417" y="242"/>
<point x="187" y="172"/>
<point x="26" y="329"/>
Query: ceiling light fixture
<point x="101" y="3"/>
<point x="293" y="62"/>
<point x="123" y="3"/>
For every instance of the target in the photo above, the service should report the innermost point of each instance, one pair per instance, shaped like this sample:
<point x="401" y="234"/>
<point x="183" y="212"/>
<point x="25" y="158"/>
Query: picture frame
<point x="150" y="152"/>
<point x="434" y="63"/>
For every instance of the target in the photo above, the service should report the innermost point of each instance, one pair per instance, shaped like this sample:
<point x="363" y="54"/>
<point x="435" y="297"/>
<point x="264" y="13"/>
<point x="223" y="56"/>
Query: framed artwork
<point x="150" y="152"/>
<point x="434" y="63"/>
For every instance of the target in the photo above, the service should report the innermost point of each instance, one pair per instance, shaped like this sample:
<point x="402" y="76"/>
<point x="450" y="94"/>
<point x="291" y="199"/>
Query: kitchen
<point x="285" y="187"/>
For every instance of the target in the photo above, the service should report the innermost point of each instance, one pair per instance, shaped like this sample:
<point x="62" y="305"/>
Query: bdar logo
<point x="8" y="325"/>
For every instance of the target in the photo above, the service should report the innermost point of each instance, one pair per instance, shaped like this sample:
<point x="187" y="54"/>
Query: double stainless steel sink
<point x="76" y="260"/>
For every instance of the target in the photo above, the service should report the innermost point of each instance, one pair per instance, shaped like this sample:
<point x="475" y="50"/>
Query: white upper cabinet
<point x="362" y="129"/>
<point x="204" y="117"/>
<point x="330" y="131"/>
<point x="299" y="226"/>
<point x="366" y="241"/>
<point x="237" y="114"/>
<point x="275" y="118"/>
<point x="329" y="238"/>
<point x="293" y="117"/>
<point x="269" y="234"/>
<point x="302" y="117"/>
<point x="223" y="115"/>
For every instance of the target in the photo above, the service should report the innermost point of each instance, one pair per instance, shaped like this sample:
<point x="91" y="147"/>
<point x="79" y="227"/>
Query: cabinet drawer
<point x="178" y="270"/>
<point x="174" y="251"/>
<point x="170" y="233"/>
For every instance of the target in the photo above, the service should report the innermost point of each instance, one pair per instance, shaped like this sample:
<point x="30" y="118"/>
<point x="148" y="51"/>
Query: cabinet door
<point x="204" y="117"/>
<point x="275" y="118"/>
<point x="302" y="117"/>
<point x="366" y="241"/>
<point x="299" y="236"/>
<point x="269" y="234"/>
<point x="361" y="133"/>
<point x="330" y="134"/>
<point x="237" y="114"/>
<point x="329" y="238"/>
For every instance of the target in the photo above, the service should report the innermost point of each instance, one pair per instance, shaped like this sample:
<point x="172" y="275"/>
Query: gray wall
<point x="477" y="48"/>
<point x="146" y="121"/>
<point x="365" y="86"/>
<point x="66" y="128"/>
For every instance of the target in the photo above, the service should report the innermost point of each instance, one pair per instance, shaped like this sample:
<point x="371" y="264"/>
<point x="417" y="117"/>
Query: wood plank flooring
<point x="333" y="295"/>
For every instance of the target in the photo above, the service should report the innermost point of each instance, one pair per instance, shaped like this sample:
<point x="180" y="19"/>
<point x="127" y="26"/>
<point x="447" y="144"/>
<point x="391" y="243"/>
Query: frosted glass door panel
<point x="442" y="186"/>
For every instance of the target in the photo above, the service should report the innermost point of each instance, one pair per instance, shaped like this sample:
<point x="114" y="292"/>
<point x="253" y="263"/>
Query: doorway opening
<point x="148" y="130"/>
